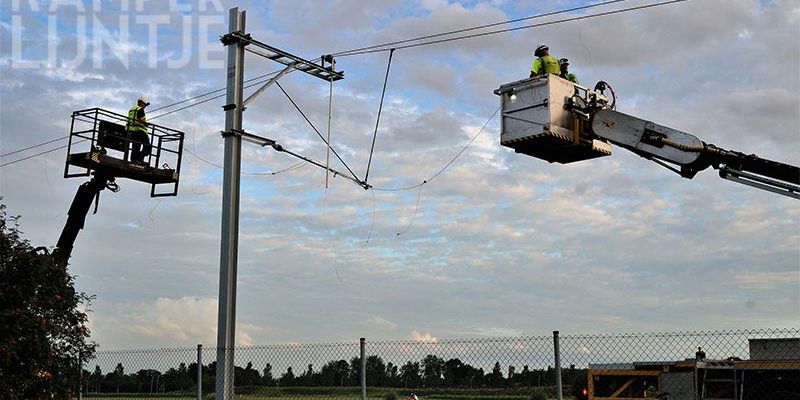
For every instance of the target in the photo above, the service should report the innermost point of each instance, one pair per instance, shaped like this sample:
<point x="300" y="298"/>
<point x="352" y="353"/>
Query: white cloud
<point x="423" y="337"/>
<point x="183" y="321"/>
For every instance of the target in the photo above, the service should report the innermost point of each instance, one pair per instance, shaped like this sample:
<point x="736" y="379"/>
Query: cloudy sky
<point x="499" y="244"/>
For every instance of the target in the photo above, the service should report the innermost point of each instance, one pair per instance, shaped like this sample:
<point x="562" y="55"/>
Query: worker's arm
<point x="537" y="67"/>
<point x="140" y="116"/>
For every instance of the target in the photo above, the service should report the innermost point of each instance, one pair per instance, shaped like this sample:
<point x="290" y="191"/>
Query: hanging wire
<point x="448" y="164"/>
<point x="416" y="208"/>
<point x="374" y="209"/>
<point x="586" y="48"/>
<point x="380" y="109"/>
<point x="330" y="233"/>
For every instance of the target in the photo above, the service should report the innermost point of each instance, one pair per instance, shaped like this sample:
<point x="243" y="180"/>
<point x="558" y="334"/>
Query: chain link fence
<point x="738" y="365"/>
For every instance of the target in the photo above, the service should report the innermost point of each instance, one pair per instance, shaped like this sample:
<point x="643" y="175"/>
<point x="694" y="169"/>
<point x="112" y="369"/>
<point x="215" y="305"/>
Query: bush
<point x="391" y="396"/>
<point x="578" y="383"/>
<point x="538" y="394"/>
<point x="43" y="327"/>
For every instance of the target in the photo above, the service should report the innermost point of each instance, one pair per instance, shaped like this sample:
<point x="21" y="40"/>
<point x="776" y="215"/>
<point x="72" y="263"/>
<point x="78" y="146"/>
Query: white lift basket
<point x="542" y="118"/>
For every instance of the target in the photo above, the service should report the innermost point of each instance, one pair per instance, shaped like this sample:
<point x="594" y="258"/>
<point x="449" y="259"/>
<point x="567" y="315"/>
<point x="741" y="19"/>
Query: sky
<point x="498" y="244"/>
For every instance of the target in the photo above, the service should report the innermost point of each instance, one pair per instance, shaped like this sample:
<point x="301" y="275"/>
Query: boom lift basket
<point x="541" y="119"/>
<point x="99" y="141"/>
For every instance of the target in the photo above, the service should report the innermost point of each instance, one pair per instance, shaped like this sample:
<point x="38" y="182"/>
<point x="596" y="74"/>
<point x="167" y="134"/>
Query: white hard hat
<point x="542" y="47"/>
<point x="143" y="99"/>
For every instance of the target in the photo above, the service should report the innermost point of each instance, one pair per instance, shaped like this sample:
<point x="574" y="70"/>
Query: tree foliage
<point x="43" y="329"/>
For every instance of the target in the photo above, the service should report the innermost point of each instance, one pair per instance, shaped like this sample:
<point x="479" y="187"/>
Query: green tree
<point x="267" y="379"/>
<point x="44" y="331"/>
<point x="376" y="371"/>
<point x="410" y="375"/>
<point x="495" y="379"/>
<point x="334" y="373"/>
<point x="247" y="376"/>
<point x="287" y="379"/>
<point x="454" y="373"/>
<point x="432" y="371"/>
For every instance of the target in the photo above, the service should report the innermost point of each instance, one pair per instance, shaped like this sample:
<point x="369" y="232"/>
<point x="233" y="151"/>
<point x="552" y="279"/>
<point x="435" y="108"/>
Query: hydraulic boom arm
<point x="687" y="155"/>
<point x="76" y="216"/>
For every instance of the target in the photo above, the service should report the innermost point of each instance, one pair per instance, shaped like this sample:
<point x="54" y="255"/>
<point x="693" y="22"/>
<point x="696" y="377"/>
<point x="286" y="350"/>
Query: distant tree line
<point x="431" y="372"/>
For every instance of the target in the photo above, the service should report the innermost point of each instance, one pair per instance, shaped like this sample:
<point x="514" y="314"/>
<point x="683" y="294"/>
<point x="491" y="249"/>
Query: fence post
<point x="80" y="374"/>
<point x="363" y="371"/>
<point x="557" y="352"/>
<point x="199" y="372"/>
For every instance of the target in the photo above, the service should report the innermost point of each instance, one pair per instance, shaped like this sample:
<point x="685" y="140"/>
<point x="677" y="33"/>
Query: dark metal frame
<point x="163" y="141"/>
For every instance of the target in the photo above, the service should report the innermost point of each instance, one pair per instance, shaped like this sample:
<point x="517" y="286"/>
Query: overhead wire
<point x="34" y="146"/>
<point x="36" y="155"/>
<point x="261" y="79"/>
<point x="394" y="43"/>
<point x="511" y="21"/>
<point x="269" y="74"/>
<point x="383" y="47"/>
<point x="476" y="35"/>
<point x="292" y="167"/>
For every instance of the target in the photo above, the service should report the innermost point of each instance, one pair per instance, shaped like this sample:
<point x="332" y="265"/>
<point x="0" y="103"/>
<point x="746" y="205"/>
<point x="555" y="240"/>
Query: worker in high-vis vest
<point x="544" y="62"/>
<point x="137" y="131"/>
<point x="564" y="63"/>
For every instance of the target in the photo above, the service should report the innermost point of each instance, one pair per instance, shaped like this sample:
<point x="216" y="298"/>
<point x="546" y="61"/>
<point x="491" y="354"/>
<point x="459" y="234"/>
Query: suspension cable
<point x="316" y="130"/>
<point x="380" y="109"/>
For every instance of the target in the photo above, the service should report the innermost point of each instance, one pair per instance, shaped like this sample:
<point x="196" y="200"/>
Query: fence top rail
<point x="757" y="334"/>
<point x="732" y="332"/>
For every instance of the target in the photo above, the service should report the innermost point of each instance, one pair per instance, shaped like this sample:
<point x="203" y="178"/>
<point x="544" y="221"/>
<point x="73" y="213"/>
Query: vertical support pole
<point x="229" y="246"/>
<point x="363" y="371"/>
<point x="199" y="372"/>
<point x="557" y="352"/>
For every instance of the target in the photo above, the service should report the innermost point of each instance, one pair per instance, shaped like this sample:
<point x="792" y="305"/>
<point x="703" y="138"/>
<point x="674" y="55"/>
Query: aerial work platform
<point x="99" y="142"/>
<point x="537" y="121"/>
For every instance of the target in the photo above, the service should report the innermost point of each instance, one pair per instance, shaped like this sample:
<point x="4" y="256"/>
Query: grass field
<point x="262" y="397"/>
<point x="343" y="393"/>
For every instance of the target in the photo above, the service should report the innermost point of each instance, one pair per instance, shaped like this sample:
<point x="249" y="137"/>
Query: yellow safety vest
<point x="133" y="123"/>
<point x="545" y="64"/>
<point x="570" y="77"/>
